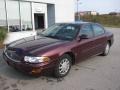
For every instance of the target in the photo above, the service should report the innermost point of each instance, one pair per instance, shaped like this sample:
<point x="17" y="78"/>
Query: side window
<point x="86" y="30"/>
<point x="98" y="30"/>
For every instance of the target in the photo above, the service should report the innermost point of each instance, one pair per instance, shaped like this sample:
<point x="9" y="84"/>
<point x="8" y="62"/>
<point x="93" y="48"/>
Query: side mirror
<point x="83" y="36"/>
<point x="41" y="30"/>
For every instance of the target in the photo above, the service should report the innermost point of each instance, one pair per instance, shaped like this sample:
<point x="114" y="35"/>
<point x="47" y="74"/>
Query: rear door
<point x="99" y="38"/>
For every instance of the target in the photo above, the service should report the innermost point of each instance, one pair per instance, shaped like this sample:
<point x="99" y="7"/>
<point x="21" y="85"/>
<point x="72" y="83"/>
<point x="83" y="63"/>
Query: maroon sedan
<point x="58" y="47"/>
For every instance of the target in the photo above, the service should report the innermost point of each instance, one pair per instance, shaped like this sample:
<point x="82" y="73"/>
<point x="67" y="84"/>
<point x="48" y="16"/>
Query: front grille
<point x="13" y="55"/>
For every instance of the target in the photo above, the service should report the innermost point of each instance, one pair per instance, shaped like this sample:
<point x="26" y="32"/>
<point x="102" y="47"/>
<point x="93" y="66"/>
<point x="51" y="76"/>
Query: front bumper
<point x="31" y="69"/>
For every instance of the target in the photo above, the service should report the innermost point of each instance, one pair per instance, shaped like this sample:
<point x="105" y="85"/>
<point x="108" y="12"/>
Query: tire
<point x="63" y="67"/>
<point x="106" y="50"/>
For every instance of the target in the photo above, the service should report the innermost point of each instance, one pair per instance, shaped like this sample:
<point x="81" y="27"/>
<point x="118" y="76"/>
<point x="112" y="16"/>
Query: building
<point x="115" y="13"/>
<point x="22" y="15"/>
<point x="118" y="14"/>
<point x="94" y="13"/>
<point x="83" y="13"/>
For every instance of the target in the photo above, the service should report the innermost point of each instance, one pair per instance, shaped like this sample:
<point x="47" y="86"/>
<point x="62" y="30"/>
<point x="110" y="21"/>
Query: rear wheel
<point x="107" y="49"/>
<point x="63" y="66"/>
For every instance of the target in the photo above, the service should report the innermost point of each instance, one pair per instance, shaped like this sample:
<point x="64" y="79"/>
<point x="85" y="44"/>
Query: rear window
<point x="98" y="30"/>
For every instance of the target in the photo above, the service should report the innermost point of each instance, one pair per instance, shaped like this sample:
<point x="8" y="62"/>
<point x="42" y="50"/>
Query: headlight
<point x="31" y="59"/>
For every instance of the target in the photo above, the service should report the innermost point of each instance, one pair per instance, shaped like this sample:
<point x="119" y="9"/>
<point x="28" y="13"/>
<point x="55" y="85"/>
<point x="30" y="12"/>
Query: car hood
<point x="35" y="44"/>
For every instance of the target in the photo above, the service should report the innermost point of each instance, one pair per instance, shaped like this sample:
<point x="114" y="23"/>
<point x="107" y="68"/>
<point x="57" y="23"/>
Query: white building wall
<point x="64" y="10"/>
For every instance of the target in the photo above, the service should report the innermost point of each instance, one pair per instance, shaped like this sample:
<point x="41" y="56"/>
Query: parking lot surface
<point x="96" y="73"/>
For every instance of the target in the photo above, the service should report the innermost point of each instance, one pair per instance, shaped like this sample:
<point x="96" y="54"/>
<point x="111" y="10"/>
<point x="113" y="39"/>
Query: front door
<point x="86" y="45"/>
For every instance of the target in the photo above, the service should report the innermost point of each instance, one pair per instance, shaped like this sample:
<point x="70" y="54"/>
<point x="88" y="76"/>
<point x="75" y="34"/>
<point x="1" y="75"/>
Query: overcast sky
<point x="101" y="6"/>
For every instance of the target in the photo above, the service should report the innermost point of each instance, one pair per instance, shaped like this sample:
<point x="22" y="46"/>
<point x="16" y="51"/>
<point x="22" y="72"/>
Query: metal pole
<point x="32" y="21"/>
<point x="78" y="10"/>
<point x="20" y="15"/>
<point x="6" y="15"/>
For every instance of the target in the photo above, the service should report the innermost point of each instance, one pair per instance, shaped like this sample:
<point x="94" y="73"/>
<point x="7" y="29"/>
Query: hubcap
<point x="64" y="66"/>
<point x="107" y="49"/>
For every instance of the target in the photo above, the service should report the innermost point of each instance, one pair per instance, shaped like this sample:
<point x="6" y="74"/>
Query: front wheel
<point x="63" y="66"/>
<point x="107" y="49"/>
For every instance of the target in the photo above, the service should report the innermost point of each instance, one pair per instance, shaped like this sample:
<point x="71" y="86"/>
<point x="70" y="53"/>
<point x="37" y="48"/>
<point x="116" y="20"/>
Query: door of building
<point x="39" y="21"/>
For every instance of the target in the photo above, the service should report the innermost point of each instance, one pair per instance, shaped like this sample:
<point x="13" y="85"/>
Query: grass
<point x="3" y="33"/>
<point x="106" y="20"/>
<point x="1" y="45"/>
<point x="112" y="26"/>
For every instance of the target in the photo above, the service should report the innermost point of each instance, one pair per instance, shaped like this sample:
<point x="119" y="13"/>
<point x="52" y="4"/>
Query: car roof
<point x="80" y="22"/>
<point x="77" y="23"/>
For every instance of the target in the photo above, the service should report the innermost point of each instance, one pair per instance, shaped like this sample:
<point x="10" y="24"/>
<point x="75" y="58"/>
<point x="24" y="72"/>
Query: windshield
<point x="61" y="31"/>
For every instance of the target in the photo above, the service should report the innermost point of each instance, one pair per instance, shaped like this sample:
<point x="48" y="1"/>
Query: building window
<point x="2" y="13"/>
<point x="13" y="15"/>
<point x="26" y="16"/>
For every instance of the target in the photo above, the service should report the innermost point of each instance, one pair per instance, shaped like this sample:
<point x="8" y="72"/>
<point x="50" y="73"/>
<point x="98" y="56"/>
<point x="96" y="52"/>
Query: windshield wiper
<point x="54" y="37"/>
<point x="57" y="37"/>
